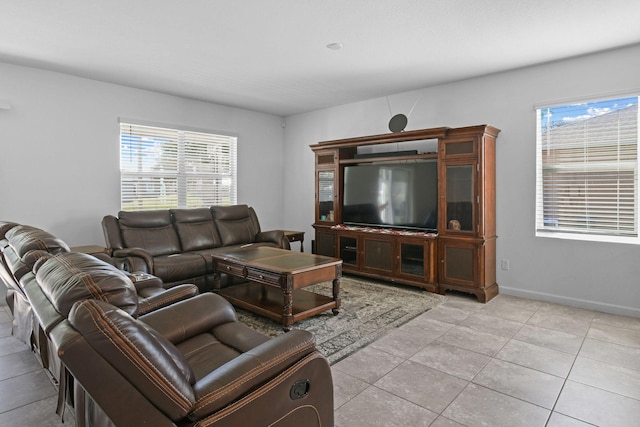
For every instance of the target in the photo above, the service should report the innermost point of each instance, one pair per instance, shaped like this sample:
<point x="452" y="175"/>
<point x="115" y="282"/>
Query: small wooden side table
<point x="295" y="236"/>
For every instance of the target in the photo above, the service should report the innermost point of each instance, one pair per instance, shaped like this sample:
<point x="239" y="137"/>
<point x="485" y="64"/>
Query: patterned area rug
<point x="369" y="310"/>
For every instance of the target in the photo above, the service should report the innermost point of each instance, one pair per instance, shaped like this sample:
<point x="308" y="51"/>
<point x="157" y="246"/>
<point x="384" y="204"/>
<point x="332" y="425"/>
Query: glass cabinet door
<point x="326" y="195"/>
<point x="412" y="259"/>
<point x="460" y="194"/>
<point x="349" y="250"/>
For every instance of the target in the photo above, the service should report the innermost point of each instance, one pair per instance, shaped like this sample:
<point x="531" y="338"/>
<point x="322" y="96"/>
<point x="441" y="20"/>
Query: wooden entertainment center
<point x="461" y="255"/>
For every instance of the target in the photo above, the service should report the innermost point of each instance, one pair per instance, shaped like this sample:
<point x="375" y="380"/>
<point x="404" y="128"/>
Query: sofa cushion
<point x="150" y="230"/>
<point x="235" y="224"/>
<point x="24" y="238"/>
<point x="144" y="357"/>
<point x="196" y="229"/>
<point x="178" y="267"/>
<point x="70" y="277"/>
<point x="6" y="226"/>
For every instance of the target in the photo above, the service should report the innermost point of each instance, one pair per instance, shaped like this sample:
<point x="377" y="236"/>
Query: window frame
<point x="541" y="229"/>
<point x="180" y="175"/>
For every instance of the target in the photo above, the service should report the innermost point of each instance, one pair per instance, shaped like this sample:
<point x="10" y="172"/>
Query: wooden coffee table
<point x="275" y="281"/>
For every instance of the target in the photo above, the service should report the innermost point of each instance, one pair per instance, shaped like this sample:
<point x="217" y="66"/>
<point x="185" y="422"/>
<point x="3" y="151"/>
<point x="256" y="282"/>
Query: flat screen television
<point x="401" y="195"/>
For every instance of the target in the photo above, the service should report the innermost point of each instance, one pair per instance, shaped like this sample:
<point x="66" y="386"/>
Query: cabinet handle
<point x="228" y="268"/>
<point x="260" y="276"/>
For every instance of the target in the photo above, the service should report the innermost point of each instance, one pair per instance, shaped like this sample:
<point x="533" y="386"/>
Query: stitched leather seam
<point x="129" y="350"/>
<point x="89" y="284"/>
<point x="263" y="390"/>
<point x="162" y="301"/>
<point x="214" y="395"/>
<point x="200" y="348"/>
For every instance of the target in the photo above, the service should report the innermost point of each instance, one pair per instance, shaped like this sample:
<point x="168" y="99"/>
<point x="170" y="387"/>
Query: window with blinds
<point x="163" y="168"/>
<point x="587" y="170"/>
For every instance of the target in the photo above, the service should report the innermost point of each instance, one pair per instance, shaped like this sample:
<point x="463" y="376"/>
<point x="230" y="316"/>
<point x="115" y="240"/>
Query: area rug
<point x="369" y="310"/>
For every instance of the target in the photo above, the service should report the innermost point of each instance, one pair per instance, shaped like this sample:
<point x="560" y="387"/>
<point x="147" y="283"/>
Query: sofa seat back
<point x="23" y="239"/>
<point x="237" y="224"/>
<point x="196" y="229"/>
<point x="150" y="230"/>
<point x="70" y="277"/>
<point x="144" y="357"/>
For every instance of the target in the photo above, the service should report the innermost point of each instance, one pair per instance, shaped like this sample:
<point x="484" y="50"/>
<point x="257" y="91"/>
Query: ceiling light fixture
<point x="335" y="46"/>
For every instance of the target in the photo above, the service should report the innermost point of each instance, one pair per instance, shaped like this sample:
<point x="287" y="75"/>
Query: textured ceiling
<point x="271" y="56"/>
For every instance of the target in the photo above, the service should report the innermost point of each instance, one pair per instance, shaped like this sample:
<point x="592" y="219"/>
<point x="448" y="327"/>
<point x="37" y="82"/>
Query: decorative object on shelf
<point x="391" y="231"/>
<point x="398" y="123"/>
<point x="370" y="309"/>
<point x="454" y="224"/>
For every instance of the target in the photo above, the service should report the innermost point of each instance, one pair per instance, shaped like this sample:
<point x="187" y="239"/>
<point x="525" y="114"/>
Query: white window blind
<point x="587" y="169"/>
<point x="163" y="168"/>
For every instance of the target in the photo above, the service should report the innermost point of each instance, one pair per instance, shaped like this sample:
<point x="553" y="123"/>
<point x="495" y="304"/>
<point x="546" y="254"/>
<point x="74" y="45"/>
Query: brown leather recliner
<point x="176" y="244"/>
<point x="18" y="241"/>
<point x="145" y="289"/>
<point x="188" y="364"/>
<point x="22" y="247"/>
<point x="151" y="292"/>
<point x="5" y="272"/>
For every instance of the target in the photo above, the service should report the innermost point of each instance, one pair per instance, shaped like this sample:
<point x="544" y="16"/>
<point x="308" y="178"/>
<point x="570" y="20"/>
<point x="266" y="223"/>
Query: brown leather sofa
<point x="175" y="244"/>
<point x="188" y="364"/>
<point x="23" y="246"/>
<point x="17" y="241"/>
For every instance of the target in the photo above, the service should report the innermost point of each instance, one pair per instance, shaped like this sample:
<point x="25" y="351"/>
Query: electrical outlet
<point x="504" y="264"/>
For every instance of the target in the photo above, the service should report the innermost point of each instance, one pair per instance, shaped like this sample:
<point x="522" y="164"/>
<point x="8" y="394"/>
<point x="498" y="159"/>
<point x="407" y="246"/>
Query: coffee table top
<point x="275" y="259"/>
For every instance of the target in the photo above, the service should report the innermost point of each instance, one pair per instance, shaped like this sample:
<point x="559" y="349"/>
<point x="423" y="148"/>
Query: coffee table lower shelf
<point x="267" y="301"/>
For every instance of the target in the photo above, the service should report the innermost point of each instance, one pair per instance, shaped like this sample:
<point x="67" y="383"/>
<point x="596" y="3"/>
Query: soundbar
<point x="386" y="154"/>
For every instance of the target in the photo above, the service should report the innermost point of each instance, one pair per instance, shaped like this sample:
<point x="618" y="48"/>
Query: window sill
<point x="589" y="237"/>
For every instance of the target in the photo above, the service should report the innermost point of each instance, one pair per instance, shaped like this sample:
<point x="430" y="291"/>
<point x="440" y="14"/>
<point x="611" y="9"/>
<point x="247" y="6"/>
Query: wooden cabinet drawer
<point x="263" y="277"/>
<point x="236" y="270"/>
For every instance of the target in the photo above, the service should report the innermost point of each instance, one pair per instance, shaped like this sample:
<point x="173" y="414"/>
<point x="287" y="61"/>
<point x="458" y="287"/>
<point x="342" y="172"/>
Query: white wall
<point x="587" y="274"/>
<point x="59" y="149"/>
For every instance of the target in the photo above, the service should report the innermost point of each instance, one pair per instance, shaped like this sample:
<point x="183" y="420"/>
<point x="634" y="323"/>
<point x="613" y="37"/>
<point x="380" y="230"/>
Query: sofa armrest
<point x="165" y="298"/>
<point x="249" y="370"/>
<point x="135" y="259"/>
<point x="143" y="280"/>
<point x="188" y="318"/>
<point x="275" y="236"/>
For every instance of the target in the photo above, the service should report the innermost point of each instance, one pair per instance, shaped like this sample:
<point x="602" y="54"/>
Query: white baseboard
<point x="574" y="302"/>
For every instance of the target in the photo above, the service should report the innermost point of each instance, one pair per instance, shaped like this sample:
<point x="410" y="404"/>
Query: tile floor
<point x="511" y="362"/>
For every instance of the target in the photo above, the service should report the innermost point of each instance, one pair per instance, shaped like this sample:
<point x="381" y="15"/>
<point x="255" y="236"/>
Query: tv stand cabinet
<point x="401" y="257"/>
<point x="461" y="256"/>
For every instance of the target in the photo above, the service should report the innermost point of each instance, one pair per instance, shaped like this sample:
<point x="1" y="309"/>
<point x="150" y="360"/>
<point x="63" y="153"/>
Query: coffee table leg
<point x="336" y="295"/>
<point x="287" y="313"/>
<point x="216" y="281"/>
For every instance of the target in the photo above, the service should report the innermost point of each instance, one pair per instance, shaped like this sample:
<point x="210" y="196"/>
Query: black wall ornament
<point x="399" y="121"/>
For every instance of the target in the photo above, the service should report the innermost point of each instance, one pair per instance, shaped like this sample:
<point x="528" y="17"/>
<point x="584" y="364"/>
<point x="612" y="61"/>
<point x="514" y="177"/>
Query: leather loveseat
<point x="176" y="244"/>
<point x="188" y="364"/>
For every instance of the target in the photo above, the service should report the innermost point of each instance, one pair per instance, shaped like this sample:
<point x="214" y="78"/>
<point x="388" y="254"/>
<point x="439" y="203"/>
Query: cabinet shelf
<point x="413" y="157"/>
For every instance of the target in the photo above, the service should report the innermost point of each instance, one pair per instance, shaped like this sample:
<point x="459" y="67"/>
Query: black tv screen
<point x="398" y="195"/>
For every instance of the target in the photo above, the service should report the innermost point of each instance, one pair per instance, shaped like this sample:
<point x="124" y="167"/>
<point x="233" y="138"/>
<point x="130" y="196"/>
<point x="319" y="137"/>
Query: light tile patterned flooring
<point x="511" y="362"/>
